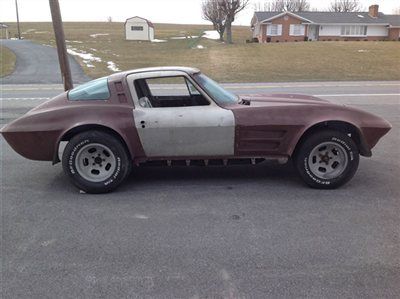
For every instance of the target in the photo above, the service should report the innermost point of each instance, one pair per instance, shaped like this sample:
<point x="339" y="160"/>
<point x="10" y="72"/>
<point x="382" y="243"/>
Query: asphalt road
<point x="234" y="232"/>
<point x="38" y="64"/>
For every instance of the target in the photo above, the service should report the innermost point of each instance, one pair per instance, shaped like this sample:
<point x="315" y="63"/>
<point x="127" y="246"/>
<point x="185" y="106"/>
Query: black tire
<point x="119" y="162"/>
<point x="311" y="166"/>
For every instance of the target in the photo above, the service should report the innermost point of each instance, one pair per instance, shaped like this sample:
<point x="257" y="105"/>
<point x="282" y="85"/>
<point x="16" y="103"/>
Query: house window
<point x="274" y="29"/>
<point x="137" y="28"/>
<point x="354" y="30"/>
<point x="297" y="30"/>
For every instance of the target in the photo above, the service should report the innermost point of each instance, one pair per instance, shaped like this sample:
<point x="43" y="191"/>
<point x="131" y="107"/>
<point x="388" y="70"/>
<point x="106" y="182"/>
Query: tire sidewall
<point x="84" y="139"/>
<point x="302" y="160"/>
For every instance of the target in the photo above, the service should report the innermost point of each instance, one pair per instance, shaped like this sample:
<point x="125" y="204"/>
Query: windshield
<point x="220" y="95"/>
<point x="93" y="90"/>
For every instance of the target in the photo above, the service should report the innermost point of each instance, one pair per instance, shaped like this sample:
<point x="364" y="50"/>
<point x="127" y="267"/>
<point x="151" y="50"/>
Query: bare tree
<point x="109" y="19"/>
<point x="396" y="11"/>
<point x="297" y="5"/>
<point x="284" y="5"/>
<point x="345" y="6"/>
<point x="212" y="12"/>
<point x="231" y="8"/>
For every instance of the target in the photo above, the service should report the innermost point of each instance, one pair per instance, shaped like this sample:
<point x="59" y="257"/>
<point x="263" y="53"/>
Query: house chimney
<point x="374" y="10"/>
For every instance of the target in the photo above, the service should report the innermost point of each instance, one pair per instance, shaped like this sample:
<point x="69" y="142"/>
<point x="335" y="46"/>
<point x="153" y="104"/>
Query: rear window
<point x="93" y="90"/>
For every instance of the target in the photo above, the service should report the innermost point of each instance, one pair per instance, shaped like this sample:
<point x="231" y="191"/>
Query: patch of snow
<point x="211" y="34"/>
<point x="99" y="34"/>
<point x="28" y="31"/>
<point x="199" y="47"/>
<point x="74" y="41"/>
<point x="158" y="41"/>
<point x="362" y="51"/>
<point x="88" y="58"/>
<point x="112" y="66"/>
<point x="184" y="37"/>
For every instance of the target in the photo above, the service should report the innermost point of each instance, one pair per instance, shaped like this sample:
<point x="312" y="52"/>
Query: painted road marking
<point x="23" y="99"/>
<point x="227" y="85"/>
<point x="319" y="95"/>
<point x="359" y="95"/>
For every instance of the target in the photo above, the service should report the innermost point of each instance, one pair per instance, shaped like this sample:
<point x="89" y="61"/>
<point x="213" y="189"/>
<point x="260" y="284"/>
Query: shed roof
<point x="2" y="25"/>
<point x="148" y="22"/>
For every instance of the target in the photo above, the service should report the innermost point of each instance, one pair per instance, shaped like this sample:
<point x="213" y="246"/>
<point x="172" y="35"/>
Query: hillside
<point x="101" y="48"/>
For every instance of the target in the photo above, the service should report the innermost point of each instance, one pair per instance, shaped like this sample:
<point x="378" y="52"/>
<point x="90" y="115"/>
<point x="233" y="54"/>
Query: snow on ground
<point x="88" y="58"/>
<point x="112" y="66"/>
<point x="28" y="31"/>
<point x="211" y="34"/>
<point x="200" y="47"/>
<point x="184" y="37"/>
<point x="99" y="34"/>
<point x="158" y="41"/>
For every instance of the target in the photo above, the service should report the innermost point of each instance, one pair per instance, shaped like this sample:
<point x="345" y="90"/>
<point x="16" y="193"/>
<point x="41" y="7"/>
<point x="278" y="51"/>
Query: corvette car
<point x="179" y="116"/>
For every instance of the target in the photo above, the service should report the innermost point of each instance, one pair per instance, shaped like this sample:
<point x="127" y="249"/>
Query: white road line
<point x="319" y="95"/>
<point x="359" y="95"/>
<point x="233" y="86"/>
<point x="23" y="99"/>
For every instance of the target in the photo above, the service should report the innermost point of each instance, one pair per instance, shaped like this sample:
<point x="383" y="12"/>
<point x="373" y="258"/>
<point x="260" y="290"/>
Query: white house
<point x="138" y="28"/>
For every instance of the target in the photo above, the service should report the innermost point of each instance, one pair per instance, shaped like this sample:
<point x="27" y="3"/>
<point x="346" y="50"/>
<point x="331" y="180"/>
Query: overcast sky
<point x="158" y="11"/>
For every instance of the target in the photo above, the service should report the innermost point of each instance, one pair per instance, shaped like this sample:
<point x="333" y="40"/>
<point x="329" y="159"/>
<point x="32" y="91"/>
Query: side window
<point x="169" y="86"/>
<point x="168" y="92"/>
<point x="93" y="90"/>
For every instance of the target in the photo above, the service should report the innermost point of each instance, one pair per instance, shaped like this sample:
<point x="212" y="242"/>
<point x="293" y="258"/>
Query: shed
<point x="3" y="31"/>
<point x="138" y="28"/>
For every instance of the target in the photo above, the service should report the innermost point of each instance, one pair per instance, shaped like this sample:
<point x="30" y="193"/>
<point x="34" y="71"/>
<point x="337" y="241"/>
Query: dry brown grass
<point x="7" y="61"/>
<point x="241" y="62"/>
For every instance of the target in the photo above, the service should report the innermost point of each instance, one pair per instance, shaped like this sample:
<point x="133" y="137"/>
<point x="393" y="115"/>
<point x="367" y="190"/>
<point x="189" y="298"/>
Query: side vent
<point x="120" y="92"/>
<point x="119" y="87"/>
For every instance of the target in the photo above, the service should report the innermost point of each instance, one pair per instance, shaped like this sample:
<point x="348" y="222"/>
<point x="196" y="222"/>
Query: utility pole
<point x="61" y="47"/>
<point x="19" y="30"/>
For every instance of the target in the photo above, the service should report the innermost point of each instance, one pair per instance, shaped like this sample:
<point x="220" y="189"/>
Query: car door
<point x="179" y="124"/>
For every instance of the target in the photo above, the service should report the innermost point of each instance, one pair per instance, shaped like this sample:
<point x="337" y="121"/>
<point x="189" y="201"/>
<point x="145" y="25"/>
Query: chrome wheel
<point x="95" y="162"/>
<point x="328" y="160"/>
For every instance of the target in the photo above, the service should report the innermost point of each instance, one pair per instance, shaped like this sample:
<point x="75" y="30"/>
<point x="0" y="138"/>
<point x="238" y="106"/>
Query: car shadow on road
<point x="267" y="172"/>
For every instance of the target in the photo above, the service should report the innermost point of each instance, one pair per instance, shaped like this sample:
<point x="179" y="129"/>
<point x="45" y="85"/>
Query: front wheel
<point x="96" y="161"/>
<point x="327" y="159"/>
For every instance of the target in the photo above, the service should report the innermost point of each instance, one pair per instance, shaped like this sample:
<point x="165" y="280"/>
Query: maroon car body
<point x="265" y="126"/>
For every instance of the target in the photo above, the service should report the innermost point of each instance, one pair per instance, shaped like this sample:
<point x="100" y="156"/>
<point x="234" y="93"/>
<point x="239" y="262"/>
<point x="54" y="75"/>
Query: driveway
<point x="223" y="232"/>
<point x="37" y="64"/>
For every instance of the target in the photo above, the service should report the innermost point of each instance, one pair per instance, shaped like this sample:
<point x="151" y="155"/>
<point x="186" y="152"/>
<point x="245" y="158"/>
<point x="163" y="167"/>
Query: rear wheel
<point x="96" y="161"/>
<point x="327" y="159"/>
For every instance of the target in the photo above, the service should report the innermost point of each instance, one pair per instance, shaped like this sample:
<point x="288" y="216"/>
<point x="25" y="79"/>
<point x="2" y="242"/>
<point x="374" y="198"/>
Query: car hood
<point x="281" y="99"/>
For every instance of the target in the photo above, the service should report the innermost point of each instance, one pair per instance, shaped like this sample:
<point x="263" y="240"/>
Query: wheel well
<point x="84" y="128"/>
<point x="342" y="127"/>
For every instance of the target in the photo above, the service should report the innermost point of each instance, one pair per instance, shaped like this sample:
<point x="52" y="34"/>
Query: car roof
<point x="188" y="70"/>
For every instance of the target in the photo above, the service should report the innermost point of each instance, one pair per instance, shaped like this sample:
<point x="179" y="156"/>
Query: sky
<point x="158" y="11"/>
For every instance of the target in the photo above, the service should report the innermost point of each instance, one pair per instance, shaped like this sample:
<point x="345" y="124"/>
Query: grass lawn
<point x="241" y="62"/>
<point x="7" y="61"/>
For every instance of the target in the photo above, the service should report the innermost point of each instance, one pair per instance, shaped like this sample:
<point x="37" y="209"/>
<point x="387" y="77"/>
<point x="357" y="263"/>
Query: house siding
<point x="377" y="30"/>
<point x="394" y="34"/>
<point x="285" y="21"/>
